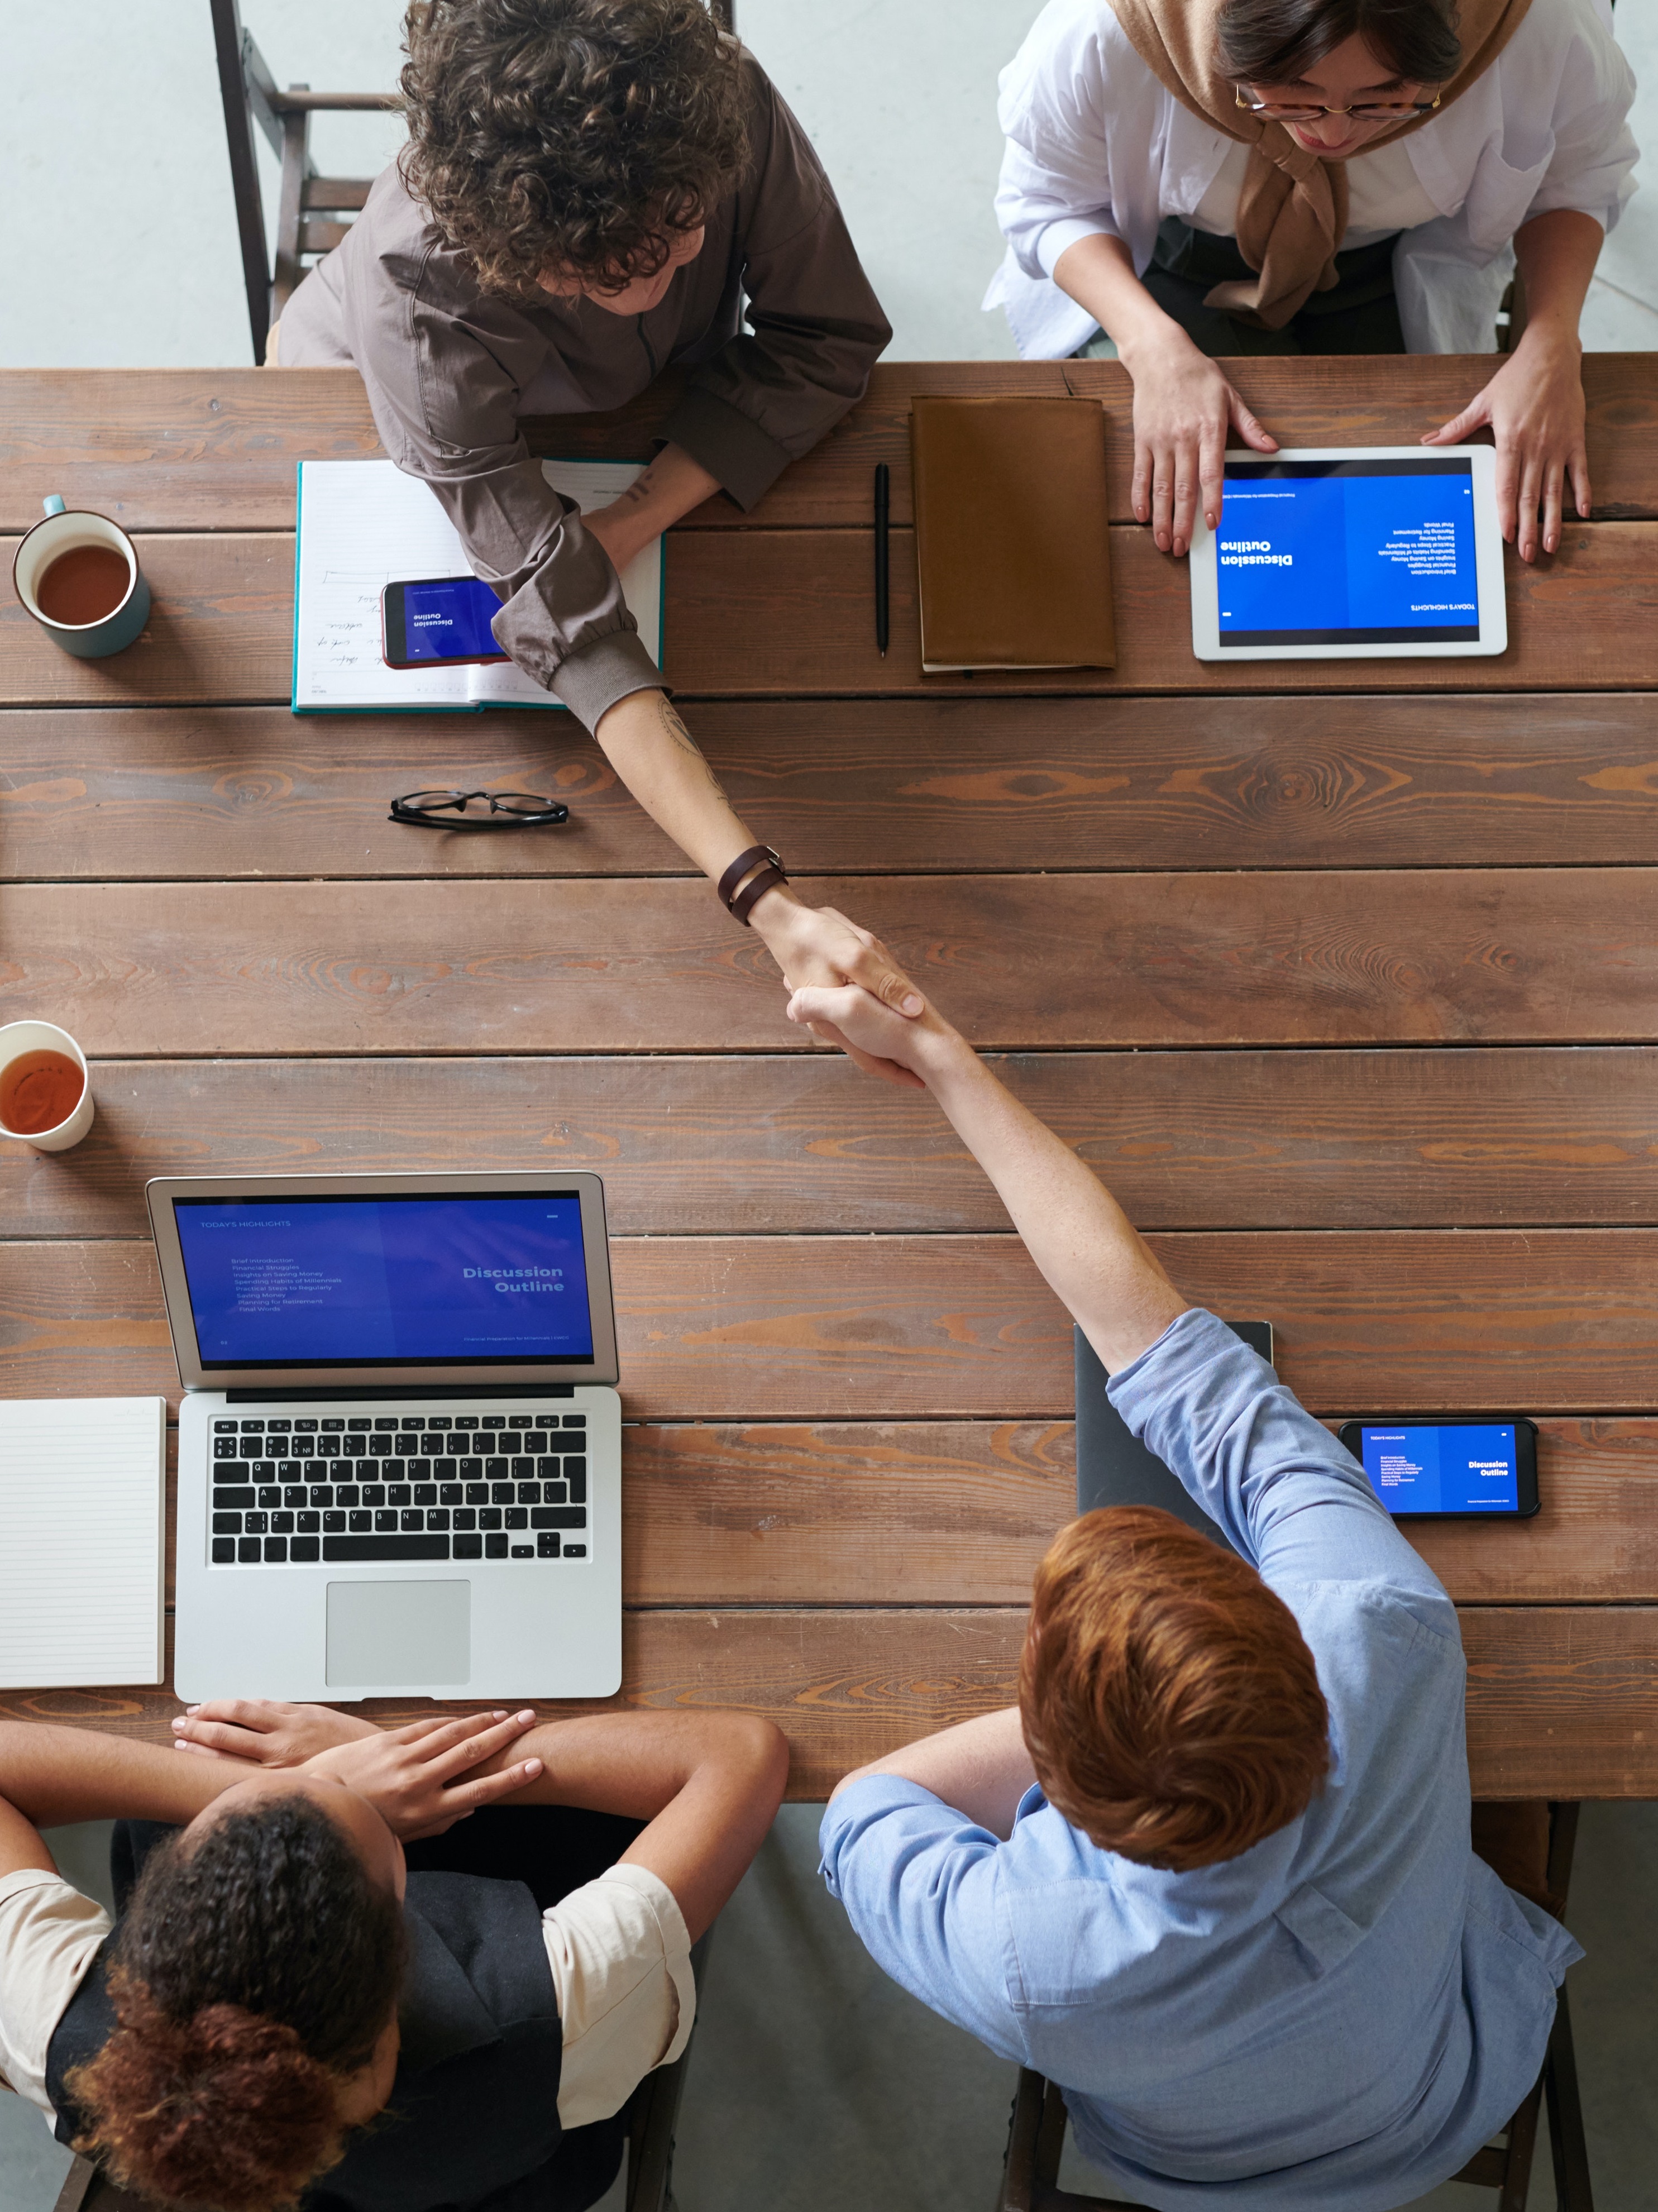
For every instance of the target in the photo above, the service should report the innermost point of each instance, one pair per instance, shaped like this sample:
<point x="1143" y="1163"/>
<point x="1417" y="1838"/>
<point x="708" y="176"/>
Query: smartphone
<point x="439" y="622"/>
<point x="1448" y="1467"/>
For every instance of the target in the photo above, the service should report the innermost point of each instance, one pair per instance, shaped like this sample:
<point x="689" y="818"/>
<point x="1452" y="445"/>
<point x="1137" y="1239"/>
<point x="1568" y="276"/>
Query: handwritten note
<point x="364" y="524"/>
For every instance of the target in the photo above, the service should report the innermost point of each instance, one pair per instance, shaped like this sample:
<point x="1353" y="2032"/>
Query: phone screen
<point x="1451" y="1467"/>
<point x="447" y="618"/>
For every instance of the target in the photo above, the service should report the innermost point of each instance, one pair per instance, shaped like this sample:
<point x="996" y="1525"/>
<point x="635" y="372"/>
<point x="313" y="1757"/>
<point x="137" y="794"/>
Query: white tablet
<point x="1351" y="553"/>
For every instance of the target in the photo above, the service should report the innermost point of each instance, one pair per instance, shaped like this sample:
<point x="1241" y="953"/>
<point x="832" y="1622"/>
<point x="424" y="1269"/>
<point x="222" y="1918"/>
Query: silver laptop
<point x="399" y="1451"/>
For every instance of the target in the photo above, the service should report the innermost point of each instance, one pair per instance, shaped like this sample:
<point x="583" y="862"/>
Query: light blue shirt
<point x="1339" y="2017"/>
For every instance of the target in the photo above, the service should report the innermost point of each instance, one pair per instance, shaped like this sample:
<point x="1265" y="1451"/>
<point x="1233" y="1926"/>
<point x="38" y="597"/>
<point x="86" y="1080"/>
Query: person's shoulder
<point x="1550" y="34"/>
<point x="1080" y="45"/>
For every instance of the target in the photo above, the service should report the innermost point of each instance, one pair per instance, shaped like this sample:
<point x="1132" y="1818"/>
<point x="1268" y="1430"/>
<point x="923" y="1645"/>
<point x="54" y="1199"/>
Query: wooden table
<point x="1342" y="976"/>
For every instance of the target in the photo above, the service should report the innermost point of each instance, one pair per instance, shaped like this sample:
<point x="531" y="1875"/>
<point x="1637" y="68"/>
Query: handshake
<point x="871" y="1009"/>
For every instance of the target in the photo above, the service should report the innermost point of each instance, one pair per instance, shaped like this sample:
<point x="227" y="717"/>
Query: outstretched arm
<point x="1089" y="1252"/>
<point x="647" y="744"/>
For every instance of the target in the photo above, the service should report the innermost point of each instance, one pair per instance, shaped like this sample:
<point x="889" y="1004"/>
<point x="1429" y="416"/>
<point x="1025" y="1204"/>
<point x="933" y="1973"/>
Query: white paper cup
<point x="18" y="1037"/>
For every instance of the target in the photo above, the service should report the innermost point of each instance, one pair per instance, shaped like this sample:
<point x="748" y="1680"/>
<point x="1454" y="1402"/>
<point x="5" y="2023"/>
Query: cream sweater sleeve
<point x="620" y="1962"/>
<point x="49" y="1934"/>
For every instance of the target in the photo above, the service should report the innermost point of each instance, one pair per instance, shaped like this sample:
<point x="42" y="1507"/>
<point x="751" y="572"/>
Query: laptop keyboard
<point x="366" y="1488"/>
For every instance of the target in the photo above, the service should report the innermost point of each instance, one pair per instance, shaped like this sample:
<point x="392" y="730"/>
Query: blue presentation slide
<point x="1435" y="1470"/>
<point x="337" y="1282"/>
<point x="450" y="620"/>
<point x="1347" y="553"/>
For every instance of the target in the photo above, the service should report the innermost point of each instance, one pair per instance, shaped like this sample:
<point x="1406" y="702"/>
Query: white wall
<point x="119" y="241"/>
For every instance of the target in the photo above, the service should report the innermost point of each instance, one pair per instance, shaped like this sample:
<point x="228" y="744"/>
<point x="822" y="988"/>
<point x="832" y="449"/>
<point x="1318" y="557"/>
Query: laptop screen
<point x="470" y="1279"/>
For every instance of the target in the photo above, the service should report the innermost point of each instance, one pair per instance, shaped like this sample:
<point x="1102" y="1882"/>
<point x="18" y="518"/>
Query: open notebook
<point x="82" y="1495"/>
<point x="363" y="525"/>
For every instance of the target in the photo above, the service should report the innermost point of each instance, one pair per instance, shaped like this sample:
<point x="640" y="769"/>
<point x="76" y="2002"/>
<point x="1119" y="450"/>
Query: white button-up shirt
<point x="1098" y="147"/>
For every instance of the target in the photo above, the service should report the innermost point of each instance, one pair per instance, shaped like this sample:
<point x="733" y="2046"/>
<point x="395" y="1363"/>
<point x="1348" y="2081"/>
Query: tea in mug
<point x="83" y="585"/>
<point x="38" y="1091"/>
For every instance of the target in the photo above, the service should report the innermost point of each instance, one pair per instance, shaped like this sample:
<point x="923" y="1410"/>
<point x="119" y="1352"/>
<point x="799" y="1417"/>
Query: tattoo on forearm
<point x="681" y="736"/>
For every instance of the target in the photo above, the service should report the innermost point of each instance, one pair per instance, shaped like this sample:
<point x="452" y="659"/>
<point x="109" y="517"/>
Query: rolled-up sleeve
<point x="1288" y="1494"/>
<point x="1052" y="189"/>
<point x="620" y="1956"/>
<point x="49" y="1936"/>
<point x="444" y="393"/>
<point x="918" y="1881"/>
<point x="816" y="327"/>
<point x="1590" y="169"/>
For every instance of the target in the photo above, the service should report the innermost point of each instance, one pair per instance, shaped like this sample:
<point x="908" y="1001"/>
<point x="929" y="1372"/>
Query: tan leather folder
<point x="1011" y="533"/>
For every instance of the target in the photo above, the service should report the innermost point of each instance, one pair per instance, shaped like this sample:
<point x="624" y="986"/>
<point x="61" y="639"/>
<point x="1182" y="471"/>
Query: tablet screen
<point x="1347" y="552"/>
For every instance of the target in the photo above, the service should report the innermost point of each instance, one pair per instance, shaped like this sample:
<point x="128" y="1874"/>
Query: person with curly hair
<point x="321" y="1990"/>
<point x="595" y="191"/>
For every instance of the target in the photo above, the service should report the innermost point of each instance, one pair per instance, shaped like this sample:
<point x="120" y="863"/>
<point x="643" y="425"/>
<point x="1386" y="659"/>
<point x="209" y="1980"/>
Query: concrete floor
<point x="816" y="2085"/>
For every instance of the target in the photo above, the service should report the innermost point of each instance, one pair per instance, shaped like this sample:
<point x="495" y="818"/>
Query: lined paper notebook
<point x="363" y="525"/>
<point x="82" y="1500"/>
<point x="1012" y="542"/>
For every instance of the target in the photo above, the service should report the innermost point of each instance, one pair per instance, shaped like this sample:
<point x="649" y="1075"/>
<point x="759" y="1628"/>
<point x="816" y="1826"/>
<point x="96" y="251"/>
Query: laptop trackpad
<point x="398" y="1633"/>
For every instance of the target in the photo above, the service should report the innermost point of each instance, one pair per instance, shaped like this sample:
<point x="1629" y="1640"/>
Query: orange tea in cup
<point x="38" y="1091"/>
<point x="83" y="585"/>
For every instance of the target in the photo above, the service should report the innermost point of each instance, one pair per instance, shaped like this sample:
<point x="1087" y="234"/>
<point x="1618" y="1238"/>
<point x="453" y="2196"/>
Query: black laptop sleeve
<point x="1114" y="1468"/>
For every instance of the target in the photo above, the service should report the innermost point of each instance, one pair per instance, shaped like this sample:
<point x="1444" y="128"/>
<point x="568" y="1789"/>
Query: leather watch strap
<point x="754" y="890"/>
<point x="740" y="867"/>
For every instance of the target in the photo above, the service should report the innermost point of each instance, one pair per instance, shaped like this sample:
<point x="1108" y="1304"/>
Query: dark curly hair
<point x="570" y="134"/>
<point x="250" y="1976"/>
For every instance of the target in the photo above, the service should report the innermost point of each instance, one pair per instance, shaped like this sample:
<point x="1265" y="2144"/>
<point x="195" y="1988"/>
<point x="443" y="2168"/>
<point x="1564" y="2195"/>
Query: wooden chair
<point x="1036" y="2132"/>
<point x="313" y="212"/>
<point x="310" y="207"/>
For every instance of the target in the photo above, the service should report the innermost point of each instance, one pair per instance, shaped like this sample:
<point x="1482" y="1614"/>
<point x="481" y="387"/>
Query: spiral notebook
<point x="362" y="525"/>
<point x="82" y="1542"/>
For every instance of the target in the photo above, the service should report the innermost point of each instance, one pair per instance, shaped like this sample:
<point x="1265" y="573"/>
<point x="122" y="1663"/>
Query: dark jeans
<point x="1360" y="315"/>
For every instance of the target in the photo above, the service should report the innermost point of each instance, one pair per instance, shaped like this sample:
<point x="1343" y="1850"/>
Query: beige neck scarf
<point x="1292" y="211"/>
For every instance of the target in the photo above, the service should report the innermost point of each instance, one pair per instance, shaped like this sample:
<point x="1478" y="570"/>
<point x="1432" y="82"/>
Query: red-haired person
<point x="1213" y="1875"/>
<point x="293" y="2007"/>
<point x="595" y="192"/>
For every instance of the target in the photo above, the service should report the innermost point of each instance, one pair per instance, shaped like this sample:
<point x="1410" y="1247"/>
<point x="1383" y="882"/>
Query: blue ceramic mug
<point x="87" y="619"/>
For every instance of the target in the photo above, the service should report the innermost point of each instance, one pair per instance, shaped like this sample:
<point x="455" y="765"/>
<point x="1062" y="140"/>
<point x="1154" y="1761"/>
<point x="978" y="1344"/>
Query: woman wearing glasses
<point x="1187" y="179"/>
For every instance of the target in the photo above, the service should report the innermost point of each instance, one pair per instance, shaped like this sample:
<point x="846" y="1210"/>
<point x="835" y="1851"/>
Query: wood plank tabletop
<point x="189" y="449"/>
<point x="1341" y="980"/>
<point x="778" y="613"/>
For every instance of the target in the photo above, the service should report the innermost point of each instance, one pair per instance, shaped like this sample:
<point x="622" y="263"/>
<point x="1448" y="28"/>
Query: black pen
<point x="883" y="480"/>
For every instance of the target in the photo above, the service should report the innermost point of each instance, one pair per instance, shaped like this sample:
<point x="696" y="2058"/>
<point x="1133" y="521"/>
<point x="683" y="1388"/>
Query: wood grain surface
<point x="1343" y="980"/>
<point x="1488" y="955"/>
<point x="950" y="1513"/>
<point x="184" y="449"/>
<point x="869" y="1328"/>
<point x="800" y="602"/>
<point x="762" y="613"/>
<point x="720" y="1144"/>
<point x="1559" y="1698"/>
<point x="917" y="784"/>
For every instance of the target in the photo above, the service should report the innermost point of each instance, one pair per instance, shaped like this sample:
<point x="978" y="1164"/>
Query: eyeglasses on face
<point x="506" y="809"/>
<point x="1397" y="110"/>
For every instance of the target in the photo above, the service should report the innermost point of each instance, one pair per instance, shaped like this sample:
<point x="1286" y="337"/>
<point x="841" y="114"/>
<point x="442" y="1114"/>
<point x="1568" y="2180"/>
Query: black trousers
<point x="1360" y="315"/>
